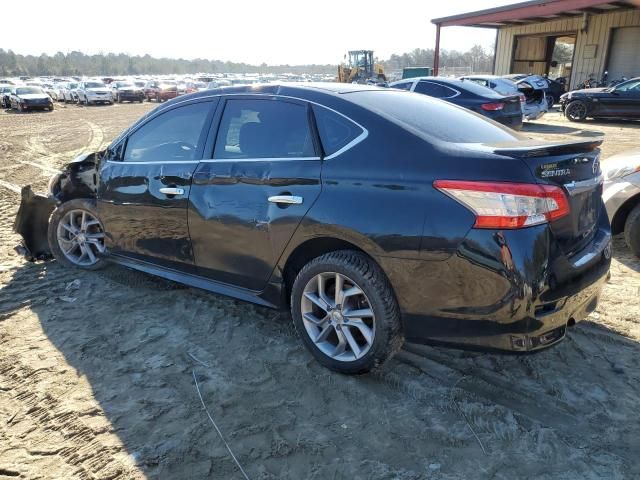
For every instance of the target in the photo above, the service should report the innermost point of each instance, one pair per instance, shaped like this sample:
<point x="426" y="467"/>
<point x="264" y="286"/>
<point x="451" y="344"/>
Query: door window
<point x="264" y="129"/>
<point x="335" y="130"/>
<point x="173" y="135"/>
<point x="403" y="85"/>
<point x="435" y="90"/>
<point x="632" y="86"/>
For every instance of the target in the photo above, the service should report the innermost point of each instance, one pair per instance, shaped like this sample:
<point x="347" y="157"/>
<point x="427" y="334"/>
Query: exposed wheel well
<point x="307" y="251"/>
<point x="620" y="217"/>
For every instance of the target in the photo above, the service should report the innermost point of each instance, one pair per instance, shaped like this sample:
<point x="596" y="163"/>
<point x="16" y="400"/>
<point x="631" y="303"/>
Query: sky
<point x="252" y="31"/>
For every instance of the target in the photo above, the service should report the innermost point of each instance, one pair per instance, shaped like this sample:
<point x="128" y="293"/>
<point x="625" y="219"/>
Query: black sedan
<point x="126" y="92"/>
<point x="373" y="214"/>
<point x="503" y="109"/>
<point x="30" y="98"/>
<point x="620" y="101"/>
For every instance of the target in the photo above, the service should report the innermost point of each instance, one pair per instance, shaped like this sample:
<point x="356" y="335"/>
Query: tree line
<point x="101" y="64"/>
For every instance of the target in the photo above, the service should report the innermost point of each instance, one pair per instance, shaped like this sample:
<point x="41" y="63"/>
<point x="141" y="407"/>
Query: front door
<point x="143" y="196"/>
<point x="248" y="200"/>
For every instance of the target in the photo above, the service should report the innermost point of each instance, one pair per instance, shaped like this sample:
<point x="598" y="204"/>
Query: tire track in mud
<point x="34" y="146"/>
<point x="75" y="442"/>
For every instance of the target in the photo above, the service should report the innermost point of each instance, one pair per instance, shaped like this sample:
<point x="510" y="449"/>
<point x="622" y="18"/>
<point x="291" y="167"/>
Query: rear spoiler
<point x="547" y="149"/>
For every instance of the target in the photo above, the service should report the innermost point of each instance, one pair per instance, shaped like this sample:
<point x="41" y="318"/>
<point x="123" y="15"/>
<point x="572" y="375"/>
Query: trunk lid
<point x="512" y="104"/>
<point x="575" y="167"/>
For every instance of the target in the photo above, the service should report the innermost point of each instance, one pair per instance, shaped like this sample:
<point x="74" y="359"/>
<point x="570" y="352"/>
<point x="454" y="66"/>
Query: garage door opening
<point x="550" y="55"/>
<point x="624" y="60"/>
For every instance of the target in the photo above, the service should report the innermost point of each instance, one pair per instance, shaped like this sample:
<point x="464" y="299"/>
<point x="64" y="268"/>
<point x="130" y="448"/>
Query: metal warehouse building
<point x="575" y="39"/>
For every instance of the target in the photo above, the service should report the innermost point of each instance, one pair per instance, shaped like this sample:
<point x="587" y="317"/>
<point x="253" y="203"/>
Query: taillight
<point x="492" y="107"/>
<point x="507" y="205"/>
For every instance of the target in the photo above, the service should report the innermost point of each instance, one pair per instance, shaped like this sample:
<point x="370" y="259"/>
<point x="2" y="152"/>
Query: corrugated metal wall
<point x="598" y="33"/>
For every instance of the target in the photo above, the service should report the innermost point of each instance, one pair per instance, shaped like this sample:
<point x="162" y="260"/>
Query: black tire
<point x="550" y="101"/>
<point x="57" y="215"/>
<point x="632" y="230"/>
<point x="576" y="111"/>
<point x="388" y="338"/>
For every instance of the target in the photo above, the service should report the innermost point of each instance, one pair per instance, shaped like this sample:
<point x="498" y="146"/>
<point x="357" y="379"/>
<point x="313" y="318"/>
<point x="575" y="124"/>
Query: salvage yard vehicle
<point x="621" y="101"/>
<point x="68" y="91"/>
<point x="5" y="93"/>
<point x="505" y="109"/>
<point x="504" y="86"/>
<point x="126" y="92"/>
<point x="622" y="196"/>
<point x="373" y="214"/>
<point x="30" y="98"/>
<point x="93" y="93"/>
<point x="160" y="90"/>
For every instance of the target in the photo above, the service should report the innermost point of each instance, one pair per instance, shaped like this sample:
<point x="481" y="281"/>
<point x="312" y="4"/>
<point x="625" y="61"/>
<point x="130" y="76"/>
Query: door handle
<point x="286" y="199"/>
<point x="172" y="191"/>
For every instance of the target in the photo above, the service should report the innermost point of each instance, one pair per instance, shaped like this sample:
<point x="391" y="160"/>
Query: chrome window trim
<point x="348" y="146"/>
<point x="153" y="162"/>
<point x="258" y="159"/>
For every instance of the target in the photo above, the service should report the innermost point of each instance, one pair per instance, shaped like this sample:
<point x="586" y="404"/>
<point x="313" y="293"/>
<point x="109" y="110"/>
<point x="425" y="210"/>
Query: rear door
<point x="143" y="195"/>
<point x="248" y="199"/>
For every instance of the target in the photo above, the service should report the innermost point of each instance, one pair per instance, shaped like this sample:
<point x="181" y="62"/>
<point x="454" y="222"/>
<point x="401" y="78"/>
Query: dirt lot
<point x="97" y="369"/>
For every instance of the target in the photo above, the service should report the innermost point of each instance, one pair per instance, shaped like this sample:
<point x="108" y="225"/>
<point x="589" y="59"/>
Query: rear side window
<point x="432" y="119"/>
<point x="335" y="130"/>
<point x="264" y="129"/>
<point x="435" y="90"/>
<point x="173" y="135"/>
<point x="403" y="85"/>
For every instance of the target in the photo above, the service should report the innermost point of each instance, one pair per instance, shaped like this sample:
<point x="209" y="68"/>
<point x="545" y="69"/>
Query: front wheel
<point x="632" y="231"/>
<point x="576" y="111"/>
<point x="345" y="311"/>
<point x="76" y="235"/>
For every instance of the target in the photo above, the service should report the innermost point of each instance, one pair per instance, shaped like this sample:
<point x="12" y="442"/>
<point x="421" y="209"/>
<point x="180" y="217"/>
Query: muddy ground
<point x="97" y="369"/>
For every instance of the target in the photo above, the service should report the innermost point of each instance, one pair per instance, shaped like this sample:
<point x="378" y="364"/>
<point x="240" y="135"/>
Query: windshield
<point x="631" y="85"/>
<point x="432" y="118"/>
<point x="94" y="85"/>
<point x="28" y="90"/>
<point x="125" y="85"/>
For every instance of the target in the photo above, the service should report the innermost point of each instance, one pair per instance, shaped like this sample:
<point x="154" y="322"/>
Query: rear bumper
<point x="502" y="290"/>
<point x="512" y="121"/>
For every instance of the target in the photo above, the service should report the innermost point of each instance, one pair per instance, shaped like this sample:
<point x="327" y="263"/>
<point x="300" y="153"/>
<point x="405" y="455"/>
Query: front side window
<point x="335" y="130"/>
<point x="174" y="135"/>
<point x="434" y="90"/>
<point x="264" y="129"/>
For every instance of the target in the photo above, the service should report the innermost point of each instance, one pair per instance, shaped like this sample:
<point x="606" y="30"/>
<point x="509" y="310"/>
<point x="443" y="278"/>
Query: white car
<point x="531" y="89"/>
<point x="68" y="91"/>
<point x="93" y="92"/>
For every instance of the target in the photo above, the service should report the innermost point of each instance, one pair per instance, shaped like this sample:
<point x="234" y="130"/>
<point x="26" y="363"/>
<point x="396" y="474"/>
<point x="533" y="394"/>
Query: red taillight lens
<point x="492" y="107"/>
<point x="507" y="205"/>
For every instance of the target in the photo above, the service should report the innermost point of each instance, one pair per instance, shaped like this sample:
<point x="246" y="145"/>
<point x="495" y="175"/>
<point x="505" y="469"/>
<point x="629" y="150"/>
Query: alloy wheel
<point x="338" y="317"/>
<point x="577" y="111"/>
<point x="80" y="237"/>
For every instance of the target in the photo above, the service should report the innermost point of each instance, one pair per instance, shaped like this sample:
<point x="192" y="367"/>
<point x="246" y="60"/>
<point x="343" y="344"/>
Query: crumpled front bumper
<point x="32" y="223"/>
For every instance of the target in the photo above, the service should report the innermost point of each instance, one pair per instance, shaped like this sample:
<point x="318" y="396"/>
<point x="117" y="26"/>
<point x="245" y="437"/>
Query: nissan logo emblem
<point x="596" y="166"/>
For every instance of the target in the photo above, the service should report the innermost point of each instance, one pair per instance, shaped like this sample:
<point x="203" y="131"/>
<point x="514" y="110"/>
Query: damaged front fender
<point x="79" y="179"/>
<point x="32" y="223"/>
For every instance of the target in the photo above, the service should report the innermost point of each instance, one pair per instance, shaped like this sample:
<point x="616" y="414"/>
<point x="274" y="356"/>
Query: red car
<point x="160" y="90"/>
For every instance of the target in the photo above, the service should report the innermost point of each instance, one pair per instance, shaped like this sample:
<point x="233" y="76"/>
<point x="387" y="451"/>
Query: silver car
<point x="94" y="92"/>
<point x="622" y="196"/>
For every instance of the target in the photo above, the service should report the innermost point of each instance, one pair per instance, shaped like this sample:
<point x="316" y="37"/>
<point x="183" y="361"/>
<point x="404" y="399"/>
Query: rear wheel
<point x="632" y="231"/>
<point x="76" y="235"/>
<point x="345" y="311"/>
<point x="576" y="111"/>
<point x="551" y="101"/>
